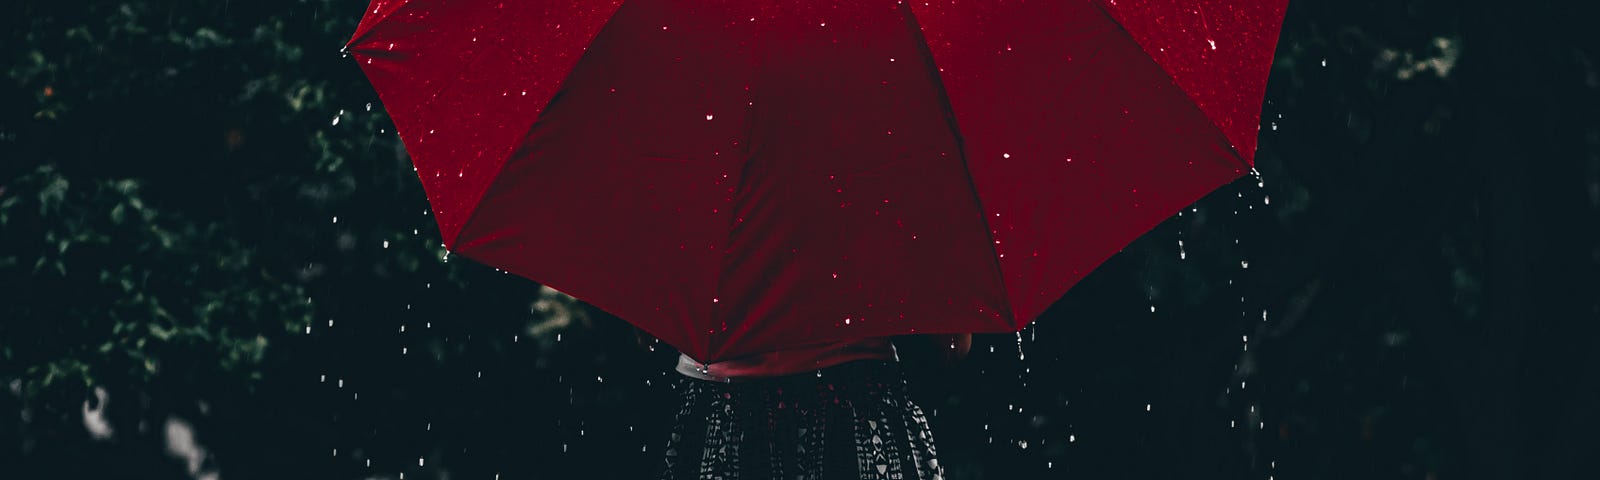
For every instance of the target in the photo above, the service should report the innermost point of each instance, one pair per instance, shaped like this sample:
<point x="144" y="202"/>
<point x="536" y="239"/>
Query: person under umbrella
<point x="774" y="188"/>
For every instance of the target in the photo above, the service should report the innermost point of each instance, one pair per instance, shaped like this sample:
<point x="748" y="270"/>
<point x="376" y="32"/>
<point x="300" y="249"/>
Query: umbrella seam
<point x="504" y="155"/>
<point x="961" y="149"/>
<point x="363" y="33"/>
<point x="507" y="153"/>
<point x="1192" y="103"/>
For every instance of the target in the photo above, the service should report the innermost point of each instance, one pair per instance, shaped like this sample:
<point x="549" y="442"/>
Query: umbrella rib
<point x="363" y="32"/>
<point x="504" y="156"/>
<point x="961" y="149"/>
<point x="1192" y="103"/>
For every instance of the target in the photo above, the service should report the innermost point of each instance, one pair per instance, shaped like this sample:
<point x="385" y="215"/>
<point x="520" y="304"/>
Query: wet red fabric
<point x="738" y="176"/>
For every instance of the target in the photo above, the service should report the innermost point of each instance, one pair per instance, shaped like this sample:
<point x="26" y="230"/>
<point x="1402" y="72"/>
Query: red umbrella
<point x="738" y="176"/>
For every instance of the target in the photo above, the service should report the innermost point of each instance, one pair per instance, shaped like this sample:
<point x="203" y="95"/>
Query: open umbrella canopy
<point x="739" y="176"/>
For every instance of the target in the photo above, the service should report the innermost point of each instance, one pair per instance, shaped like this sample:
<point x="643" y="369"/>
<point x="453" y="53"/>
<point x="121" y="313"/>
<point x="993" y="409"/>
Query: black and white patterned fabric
<point x="848" y="421"/>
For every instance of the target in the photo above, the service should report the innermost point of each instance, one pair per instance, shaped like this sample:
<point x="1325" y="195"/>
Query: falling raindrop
<point x="1020" y="355"/>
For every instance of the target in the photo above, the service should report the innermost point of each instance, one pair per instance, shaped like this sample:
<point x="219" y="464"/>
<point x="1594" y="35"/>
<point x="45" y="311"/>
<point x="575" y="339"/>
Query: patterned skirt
<point x="849" y="421"/>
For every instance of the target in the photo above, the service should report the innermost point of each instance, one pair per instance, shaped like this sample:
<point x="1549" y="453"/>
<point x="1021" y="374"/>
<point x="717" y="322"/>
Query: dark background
<point x="216" y="262"/>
